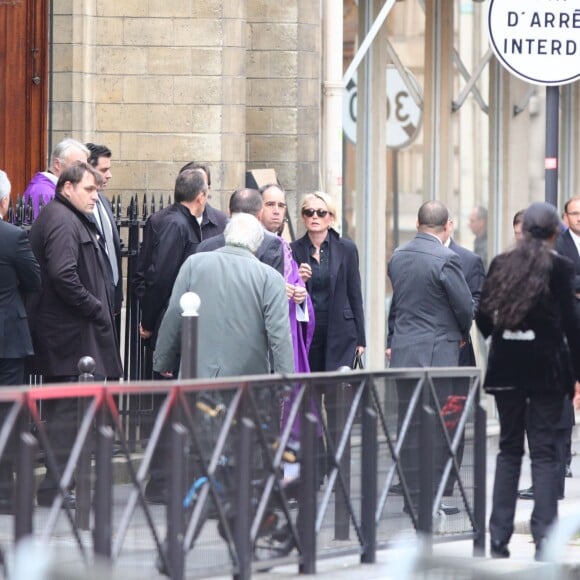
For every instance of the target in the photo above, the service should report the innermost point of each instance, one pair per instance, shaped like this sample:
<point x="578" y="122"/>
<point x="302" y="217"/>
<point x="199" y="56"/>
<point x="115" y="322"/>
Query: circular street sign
<point x="403" y="114"/>
<point x="537" y="40"/>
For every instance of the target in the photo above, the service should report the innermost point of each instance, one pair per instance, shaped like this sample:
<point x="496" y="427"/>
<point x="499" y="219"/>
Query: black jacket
<point x="566" y="246"/>
<point x="170" y="236"/>
<point x="474" y="272"/>
<point x="549" y="361"/>
<point x="346" y="323"/>
<point x="270" y="251"/>
<point x="19" y="275"/>
<point x="73" y="314"/>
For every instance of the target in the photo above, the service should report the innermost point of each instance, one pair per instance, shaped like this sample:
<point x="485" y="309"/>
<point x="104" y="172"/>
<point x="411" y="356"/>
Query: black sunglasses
<point x="319" y="212"/>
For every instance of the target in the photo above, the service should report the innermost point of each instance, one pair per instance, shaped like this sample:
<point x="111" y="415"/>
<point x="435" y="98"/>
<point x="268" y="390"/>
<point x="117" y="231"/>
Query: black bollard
<point x="426" y="466"/>
<point x="479" y="478"/>
<point x="308" y="486"/>
<point x="86" y="368"/>
<point x="24" y="494"/>
<point x="189" y="303"/>
<point x="103" y="532"/>
<point x="343" y="405"/>
<point x="370" y="452"/>
<point x="175" y="514"/>
<point x="243" y="498"/>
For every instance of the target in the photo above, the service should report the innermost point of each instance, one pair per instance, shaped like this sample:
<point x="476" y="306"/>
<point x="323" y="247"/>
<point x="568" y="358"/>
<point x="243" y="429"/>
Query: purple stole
<point x="302" y="333"/>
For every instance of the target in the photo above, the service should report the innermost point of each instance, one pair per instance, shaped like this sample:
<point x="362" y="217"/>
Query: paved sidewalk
<point x="393" y="563"/>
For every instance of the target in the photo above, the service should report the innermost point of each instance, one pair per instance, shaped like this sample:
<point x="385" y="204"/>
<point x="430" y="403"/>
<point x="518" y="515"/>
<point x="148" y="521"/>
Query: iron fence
<point x="245" y="492"/>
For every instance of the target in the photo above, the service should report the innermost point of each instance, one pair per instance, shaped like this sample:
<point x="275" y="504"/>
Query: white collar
<point x="576" y="239"/>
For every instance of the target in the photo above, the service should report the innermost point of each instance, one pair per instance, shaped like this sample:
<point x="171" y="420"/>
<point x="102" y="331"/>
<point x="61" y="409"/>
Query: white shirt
<point x="576" y="239"/>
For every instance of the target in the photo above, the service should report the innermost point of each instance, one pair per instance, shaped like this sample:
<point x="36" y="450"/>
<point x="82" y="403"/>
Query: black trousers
<point x="60" y="416"/>
<point x="326" y="395"/>
<point x="11" y="374"/>
<point x="410" y="454"/>
<point x="564" y="428"/>
<point x="522" y="413"/>
<point x="61" y="420"/>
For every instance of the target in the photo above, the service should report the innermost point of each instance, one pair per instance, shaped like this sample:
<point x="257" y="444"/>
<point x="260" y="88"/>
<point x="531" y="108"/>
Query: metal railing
<point x="229" y="457"/>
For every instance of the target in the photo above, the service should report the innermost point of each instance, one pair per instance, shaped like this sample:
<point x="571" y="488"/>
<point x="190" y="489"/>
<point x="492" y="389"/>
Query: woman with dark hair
<point x="527" y="306"/>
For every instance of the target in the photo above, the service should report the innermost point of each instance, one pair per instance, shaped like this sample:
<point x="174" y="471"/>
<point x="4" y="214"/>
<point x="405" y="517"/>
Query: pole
<point x="23" y="518"/>
<point x="552" y="138"/>
<point x="86" y="367"/>
<point x="395" y="198"/>
<point x="102" y="531"/>
<point x="332" y="89"/>
<point x="189" y="303"/>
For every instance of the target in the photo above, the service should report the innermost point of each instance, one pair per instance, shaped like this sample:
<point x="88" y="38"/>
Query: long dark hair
<point x="519" y="278"/>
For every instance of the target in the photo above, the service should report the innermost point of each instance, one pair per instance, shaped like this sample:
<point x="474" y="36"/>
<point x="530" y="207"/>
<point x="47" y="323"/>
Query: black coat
<point x="19" y="274"/>
<point x="545" y="364"/>
<point x="73" y="314"/>
<point x="346" y="324"/>
<point x="170" y="236"/>
<point x="566" y="246"/>
<point x="474" y="272"/>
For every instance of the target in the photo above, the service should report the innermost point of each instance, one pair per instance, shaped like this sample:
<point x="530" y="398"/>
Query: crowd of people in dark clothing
<point x="273" y="305"/>
<point x="292" y="306"/>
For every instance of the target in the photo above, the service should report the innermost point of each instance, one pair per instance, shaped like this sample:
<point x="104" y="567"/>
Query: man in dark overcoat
<point x="19" y="275"/>
<point x="73" y="316"/>
<point x="170" y="236"/>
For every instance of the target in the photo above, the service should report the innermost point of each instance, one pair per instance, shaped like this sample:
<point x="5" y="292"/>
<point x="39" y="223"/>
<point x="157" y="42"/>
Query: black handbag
<point x="357" y="363"/>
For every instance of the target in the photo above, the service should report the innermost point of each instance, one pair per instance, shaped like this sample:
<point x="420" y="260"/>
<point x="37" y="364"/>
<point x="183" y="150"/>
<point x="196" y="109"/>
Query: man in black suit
<point x="19" y="274"/>
<point x="474" y="272"/>
<point x="100" y="159"/>
<point x="568" y="244"/>
<point x="170" y="236"/>
<point x="269" y="252"/>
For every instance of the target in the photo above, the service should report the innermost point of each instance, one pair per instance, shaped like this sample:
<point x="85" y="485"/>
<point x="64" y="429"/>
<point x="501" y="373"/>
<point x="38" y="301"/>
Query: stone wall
<point x="283" y="102"/>
<point x="232" y="84"/>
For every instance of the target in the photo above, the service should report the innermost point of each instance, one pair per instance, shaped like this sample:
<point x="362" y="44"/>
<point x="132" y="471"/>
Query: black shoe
<point x="526" y="493"/>
<point x="46" y="497"/>
<point x="155" y="494"/>
<point x="448" y="510"/>
<point x="498" y="550"/>
<point x="568" y="471"/>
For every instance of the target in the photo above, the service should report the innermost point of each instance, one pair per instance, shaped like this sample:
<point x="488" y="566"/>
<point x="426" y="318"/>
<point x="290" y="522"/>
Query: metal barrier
<point x="229" y="459"/>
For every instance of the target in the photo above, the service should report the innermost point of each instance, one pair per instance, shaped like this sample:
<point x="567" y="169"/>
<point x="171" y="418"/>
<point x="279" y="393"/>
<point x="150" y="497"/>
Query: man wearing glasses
<point x="568" y="244"/>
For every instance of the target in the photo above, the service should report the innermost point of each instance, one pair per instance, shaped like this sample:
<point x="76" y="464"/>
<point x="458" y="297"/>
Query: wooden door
<point x="23" y="89"/>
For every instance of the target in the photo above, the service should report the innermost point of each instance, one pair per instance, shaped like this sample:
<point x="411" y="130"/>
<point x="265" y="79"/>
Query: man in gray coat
<point x="434" y="311"/>
<point x="244" y="309"/>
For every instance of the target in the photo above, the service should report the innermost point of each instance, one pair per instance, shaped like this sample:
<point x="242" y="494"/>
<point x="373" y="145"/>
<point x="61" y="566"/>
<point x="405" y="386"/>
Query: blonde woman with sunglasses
<point x="329" y="266"/>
